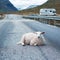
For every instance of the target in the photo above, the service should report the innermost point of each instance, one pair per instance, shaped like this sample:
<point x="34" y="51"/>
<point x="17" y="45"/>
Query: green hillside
<point x="49" y="4"/>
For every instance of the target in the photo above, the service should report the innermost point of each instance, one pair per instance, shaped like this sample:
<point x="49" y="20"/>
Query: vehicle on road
<point x="48" y="11"/>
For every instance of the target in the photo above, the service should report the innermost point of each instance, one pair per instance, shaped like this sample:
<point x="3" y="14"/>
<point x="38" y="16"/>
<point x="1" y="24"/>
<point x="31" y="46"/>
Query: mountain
<point x="32" y="6"/>
<point x="49" y="4"/>
<point x="22" y="7"/>
<point x="6" y="6"/>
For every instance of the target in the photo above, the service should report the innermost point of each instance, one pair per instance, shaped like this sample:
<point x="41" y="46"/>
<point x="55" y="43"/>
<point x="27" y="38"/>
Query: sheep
<point x="32" y="38"/>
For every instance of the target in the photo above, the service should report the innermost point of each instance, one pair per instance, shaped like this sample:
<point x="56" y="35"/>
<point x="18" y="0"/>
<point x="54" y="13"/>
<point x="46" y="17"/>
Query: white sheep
<point x="33" y="38"/>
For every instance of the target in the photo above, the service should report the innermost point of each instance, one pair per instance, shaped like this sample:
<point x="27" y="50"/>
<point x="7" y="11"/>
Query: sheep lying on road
<point x="33" y="38"/>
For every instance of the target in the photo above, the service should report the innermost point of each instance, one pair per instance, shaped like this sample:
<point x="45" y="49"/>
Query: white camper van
<point x="48" y="11"/>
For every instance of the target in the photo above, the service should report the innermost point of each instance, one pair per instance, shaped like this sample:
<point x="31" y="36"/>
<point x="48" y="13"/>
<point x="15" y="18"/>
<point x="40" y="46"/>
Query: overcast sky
<point x="26" y="3"/>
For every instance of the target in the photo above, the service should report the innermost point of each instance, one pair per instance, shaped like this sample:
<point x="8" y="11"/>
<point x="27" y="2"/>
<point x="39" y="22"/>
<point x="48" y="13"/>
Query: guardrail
<point x="52" y="20"/>
<point x="44" y="17"/>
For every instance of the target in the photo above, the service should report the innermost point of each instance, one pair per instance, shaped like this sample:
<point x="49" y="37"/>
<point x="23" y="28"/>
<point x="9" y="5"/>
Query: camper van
<point x="48" y="12"/>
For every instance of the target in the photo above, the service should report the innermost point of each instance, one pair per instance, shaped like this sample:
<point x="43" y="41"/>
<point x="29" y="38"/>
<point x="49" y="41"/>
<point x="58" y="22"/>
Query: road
<point x="12" y="29"/>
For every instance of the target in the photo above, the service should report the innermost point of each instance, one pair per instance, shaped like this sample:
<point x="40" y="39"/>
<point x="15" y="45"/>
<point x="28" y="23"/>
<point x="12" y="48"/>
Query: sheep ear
<point x="42" y="32"/>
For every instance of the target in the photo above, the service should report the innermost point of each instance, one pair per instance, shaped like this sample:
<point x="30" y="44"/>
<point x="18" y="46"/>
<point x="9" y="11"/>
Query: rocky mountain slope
<point x="6" y="6"/>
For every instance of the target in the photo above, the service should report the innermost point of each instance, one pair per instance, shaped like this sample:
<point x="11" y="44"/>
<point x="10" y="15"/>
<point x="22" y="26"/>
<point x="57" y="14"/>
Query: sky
<point x="23" y="4"/>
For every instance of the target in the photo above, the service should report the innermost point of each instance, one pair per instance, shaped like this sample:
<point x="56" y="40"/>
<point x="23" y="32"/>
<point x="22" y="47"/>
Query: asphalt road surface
<point x="11" y="30"/>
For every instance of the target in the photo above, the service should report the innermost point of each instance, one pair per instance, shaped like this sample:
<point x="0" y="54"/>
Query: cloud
<point x="26" y="3"/>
